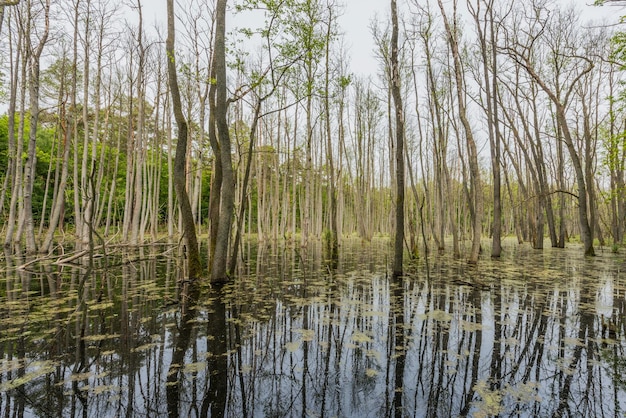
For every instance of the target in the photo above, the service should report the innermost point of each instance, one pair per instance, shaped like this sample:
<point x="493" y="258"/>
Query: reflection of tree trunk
<point x="332" y="291"/>
<point x="240" y="362"/>
<point x="478" y="319"/>
<point x="495" y="369"/>
<point x="585" y="333"/>
<point x="80" y="364"/>
<point x="540" y="323"/>
<point x="188" y="297"/>
<point x="215" y="398"/>
<point x="23" y="279"/>
<point x="440" y="346"/>
<point x="397" y="309"/>
<point x="305" y="361"/>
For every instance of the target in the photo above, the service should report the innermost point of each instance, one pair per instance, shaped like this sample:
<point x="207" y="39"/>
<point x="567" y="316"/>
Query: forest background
<point x="512" y="113"/>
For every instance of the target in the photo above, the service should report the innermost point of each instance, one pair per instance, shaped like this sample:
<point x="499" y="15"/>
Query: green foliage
<point x="345" y="81"/>
<point x="618" y="53"/>
<point x="3" y="88"/>
<point x="293" y="34"/>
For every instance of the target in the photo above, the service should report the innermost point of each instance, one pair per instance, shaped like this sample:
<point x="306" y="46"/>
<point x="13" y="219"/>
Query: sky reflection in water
<point x="538" y="337"/>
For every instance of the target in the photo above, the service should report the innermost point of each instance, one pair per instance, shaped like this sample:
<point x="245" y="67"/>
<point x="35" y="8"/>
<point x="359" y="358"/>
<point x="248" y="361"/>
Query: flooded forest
<point x="215" y="208"/>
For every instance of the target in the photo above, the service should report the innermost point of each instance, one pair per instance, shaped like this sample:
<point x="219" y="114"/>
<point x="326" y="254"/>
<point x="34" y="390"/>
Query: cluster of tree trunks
<point x="513" y="126"/>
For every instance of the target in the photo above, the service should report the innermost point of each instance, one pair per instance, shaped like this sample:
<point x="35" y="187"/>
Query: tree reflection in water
<point x="214" y="399"/>
<point x="294" y="337"/>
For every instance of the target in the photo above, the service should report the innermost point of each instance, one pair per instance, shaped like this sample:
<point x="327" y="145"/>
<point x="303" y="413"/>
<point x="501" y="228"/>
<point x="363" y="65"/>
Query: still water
<point x="534" y="334"/>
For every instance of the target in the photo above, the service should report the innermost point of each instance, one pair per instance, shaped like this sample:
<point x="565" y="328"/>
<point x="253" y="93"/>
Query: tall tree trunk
<point x="139" y="152"/>
<point x="333" y="242"/>
<point x="399" y="119"/>
<point x="476" y="192"/>
<point x="489" y="62"/>
<point x="33" y="92"/>
<point x="216" y="179"/>
<point x="14" y="162"/>
<point x="246" y="178"/>
<point x="218" y="269"/>
<point x="59" y="200"/>
<point x="189" y="228"/>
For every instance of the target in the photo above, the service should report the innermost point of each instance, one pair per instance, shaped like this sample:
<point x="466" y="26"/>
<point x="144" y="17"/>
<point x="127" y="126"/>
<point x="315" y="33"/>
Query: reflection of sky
<point x="604" y="300"/>
<point x="516" y="344"/>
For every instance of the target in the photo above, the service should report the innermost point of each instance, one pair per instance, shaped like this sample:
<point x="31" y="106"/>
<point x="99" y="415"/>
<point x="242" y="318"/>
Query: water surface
<point x="533" y="334"/>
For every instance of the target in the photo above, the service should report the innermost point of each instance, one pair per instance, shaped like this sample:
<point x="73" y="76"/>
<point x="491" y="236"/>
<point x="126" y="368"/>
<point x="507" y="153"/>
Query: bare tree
<point x="189" y="228"/>
<point x="399" y="120"/>
<point x="219" y="261"/>
<point x="522" y="52"/>
<point x="486" y="30"/>
<point x="452" y="32"/>
<point x="34" y="53"/>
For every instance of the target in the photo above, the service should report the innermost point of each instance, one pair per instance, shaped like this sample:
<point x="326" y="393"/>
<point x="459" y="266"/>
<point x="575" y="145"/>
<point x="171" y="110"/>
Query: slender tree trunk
<point x="14" y="159"/>
<point x="244" y="186"/>
<point x="476" y="193"/>
<point x="33" y="92"/>
<point x="112" y="190"/>
<point x="218" y="270"/>
<point x="308" y="168"/>
<point x="333" y="243"/>
<point x="399" y="119"/>
<point x="170" y="174"/>
<point x="216" y="179"/>
<point x="138" y="195"/>
<point x="189" y="228"/>
<point x="59" y="201"/>
<point x="489" y="62"/>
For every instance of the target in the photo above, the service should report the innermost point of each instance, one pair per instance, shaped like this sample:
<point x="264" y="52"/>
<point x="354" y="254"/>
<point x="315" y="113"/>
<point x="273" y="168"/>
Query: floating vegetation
<point x="32" y="372"/>
<point x="500" y="342"/>
<point x="194" y="367"/>
<point x="101" y="337"/>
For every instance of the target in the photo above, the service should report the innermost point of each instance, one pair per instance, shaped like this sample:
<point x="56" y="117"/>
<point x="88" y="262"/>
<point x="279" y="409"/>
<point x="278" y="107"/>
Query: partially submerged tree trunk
<point x="219" y="262"/>
<point x="14" y="163"/>
<point x="333" y="239"/>
<point x="476" y="190"/>
<point x="189" y="228"/>
<point x="399" y="119"/>
<point x="33" y="92"/>
<point x="586" y="232"/>
<point x="487" y="41"/>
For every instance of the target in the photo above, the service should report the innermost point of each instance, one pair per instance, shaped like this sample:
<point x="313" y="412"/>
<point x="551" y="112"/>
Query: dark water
<point x="535" y="334"/>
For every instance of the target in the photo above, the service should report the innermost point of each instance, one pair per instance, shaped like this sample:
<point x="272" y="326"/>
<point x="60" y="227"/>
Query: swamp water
<point x="534" y="334"/>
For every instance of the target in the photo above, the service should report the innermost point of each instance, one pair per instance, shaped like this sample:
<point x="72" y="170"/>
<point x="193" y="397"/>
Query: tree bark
<point x="333" y="241"/>
<point x="189" y="228"/>
<point x="399" y="119"/>
<point x="476" y="192"/>
<point x="561" y="118"/>
<point x="219" y="262"/>
<point x="33" y="92"/>
<point x="489" y="62"/>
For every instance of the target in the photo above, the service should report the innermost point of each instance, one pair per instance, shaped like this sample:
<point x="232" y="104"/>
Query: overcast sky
<point x="357" y="18"/>
<point x="359" y="14"/>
